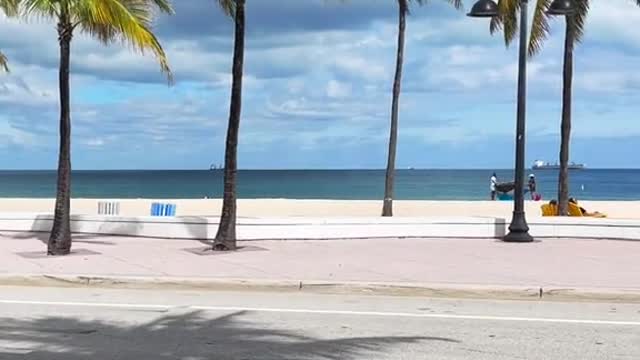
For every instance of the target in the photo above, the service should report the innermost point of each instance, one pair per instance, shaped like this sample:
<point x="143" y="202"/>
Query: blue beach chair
<point x="160" y="209"/>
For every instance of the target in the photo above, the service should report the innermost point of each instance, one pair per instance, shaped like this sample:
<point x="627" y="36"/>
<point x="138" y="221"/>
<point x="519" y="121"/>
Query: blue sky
<point x="318" y="91"/>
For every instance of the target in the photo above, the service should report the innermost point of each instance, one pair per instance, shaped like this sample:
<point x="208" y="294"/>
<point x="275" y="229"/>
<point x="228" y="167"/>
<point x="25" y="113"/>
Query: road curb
<point x="146" y="282"/>
<point x="591" y="295"/>
<point x="461" y="291"/>
<point x="456" y="291"/>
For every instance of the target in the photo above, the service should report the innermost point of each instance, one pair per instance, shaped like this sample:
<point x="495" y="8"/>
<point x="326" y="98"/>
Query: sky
<point x="317" y="90"/>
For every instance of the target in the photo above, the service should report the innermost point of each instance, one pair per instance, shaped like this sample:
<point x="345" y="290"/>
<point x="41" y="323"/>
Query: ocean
<point x="588" y="184"/>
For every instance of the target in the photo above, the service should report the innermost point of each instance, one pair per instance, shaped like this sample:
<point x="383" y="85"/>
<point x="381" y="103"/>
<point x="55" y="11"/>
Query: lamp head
<point x="484" y="8"/>
<point x="561" y="7"/>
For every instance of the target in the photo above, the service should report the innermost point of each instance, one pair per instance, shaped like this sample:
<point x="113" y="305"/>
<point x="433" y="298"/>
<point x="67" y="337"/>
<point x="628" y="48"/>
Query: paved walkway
<point x="559" y="263"/>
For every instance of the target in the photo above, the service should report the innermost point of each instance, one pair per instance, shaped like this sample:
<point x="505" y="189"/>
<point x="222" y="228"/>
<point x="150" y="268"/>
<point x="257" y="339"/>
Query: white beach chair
<point x="108" y="208"/>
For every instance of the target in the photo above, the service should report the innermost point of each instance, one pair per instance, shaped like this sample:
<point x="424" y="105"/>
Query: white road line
<point x="326" y="312"/>
<point x="88" y="304"/>
<point x="418" y="315"/>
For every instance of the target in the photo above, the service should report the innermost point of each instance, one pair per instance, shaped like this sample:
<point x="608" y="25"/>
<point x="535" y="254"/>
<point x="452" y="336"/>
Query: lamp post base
<point x="518" y="230"/>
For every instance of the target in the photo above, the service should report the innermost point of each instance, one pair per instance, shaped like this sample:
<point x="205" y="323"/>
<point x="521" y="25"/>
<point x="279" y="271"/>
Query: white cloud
<point x="366" y="69"/>
<point x="614" y="21"/>
<point x="337" y="89"/>
<point x="97" y="142"/>
<point x="10" y="135"/>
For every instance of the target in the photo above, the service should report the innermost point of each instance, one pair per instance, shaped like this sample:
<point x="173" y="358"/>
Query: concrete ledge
<point x="456" y="291"/>
<point x="190" y="227"/>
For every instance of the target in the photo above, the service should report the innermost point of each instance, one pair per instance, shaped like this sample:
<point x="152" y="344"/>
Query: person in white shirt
<point x="532" y="186"/>
<point x="492" y="186"/>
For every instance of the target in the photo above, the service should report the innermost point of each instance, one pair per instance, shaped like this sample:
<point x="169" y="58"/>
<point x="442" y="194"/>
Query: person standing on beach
<point x="492" y="186"/>
<point x="532" y="186"/>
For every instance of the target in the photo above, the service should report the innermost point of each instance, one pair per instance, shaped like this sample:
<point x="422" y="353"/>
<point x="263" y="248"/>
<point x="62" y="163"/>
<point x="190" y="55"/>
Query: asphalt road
<point x="73" y="324"/>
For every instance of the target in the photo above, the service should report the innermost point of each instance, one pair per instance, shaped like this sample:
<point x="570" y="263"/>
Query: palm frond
<point x="41" y="8"/>
<point x="458" y="3"/>
<point x="580" y="18"/>
<point x="507" y="20"/>
<point x="166" y="7"/>
<point x="3" y="63"/>
<point x="229" y="7"/>
<point x="9" y="7"/>
<point x="126" y="21"/>
<point x="539" y="27"/>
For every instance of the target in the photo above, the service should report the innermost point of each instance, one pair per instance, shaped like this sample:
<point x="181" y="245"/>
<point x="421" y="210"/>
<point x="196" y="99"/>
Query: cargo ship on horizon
<point x="541" y="165"/>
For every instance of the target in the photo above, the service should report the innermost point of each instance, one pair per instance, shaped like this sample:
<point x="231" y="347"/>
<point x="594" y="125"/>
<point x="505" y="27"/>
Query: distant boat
<point x="541" y="165"/>
<point x="214" y="167"/>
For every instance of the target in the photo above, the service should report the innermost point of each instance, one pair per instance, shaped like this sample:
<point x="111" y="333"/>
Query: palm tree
<point x="403" y="10"/>
<point x="226" y="236"/>
<point x="128" y="21"/>
<point x="9" y="7"/>
<point x="574" y="31"/>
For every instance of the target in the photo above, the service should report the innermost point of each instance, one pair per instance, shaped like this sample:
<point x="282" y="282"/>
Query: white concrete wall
<point x="319" y="208"/>
<point x="324" y="228"/>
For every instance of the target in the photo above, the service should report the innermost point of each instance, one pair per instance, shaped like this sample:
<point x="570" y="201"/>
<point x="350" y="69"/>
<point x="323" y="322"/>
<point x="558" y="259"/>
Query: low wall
<point x="280" y="208"/>
<point x="325" y="228"/>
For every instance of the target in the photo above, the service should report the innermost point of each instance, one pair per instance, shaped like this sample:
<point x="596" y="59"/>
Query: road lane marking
<point x="88" y="304"/>
<point x="325" y="312"/>
<point x="417" y="315"/>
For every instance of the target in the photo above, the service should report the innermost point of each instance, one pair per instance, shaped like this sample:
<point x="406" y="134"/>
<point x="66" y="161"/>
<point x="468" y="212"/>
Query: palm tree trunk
<point x="387" y="207"/>
<point x="565" y="128"/>
<point x="60" y="237"/>
<point x="226" y="236"/>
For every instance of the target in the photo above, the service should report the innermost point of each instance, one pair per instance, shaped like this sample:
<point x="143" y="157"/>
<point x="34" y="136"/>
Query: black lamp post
<point x="518" y="229"/>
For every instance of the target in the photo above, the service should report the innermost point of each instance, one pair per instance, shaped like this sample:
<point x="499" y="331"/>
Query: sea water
<point x="588" y="184"/>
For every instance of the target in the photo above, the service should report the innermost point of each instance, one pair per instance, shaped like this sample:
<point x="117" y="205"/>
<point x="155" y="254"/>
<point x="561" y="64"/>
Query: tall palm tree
<point x="403" y="10"/>
<point x="9" y="7"/>
<point x="127" y="21"/>
<point x="226" y="236"/>
<point x="574" y="32"/>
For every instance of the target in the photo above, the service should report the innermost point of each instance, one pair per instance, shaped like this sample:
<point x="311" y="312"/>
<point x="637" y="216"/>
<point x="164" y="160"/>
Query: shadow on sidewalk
<point x="192" y="335"/>
<point x="43" y="237"/>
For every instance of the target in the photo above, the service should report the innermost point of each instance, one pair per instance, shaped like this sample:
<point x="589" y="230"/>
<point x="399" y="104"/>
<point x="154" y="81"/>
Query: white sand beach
<point x="319" y="208"/>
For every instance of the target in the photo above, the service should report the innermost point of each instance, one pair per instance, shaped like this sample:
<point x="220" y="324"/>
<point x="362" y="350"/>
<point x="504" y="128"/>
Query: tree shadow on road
<point x="191" y="335"/>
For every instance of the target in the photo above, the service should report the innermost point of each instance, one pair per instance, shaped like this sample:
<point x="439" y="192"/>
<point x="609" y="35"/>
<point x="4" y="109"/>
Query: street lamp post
<point x="518" y="229"/>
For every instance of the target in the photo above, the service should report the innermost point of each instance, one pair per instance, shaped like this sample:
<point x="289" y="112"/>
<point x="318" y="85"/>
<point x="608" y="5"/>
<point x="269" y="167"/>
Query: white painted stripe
<point x="419" y="315"/>
<point x="87" y="304"/>
<point x="326" y="312"/>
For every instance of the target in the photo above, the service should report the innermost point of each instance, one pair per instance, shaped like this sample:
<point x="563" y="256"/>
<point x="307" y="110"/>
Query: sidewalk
<point x="565" y="268"/>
